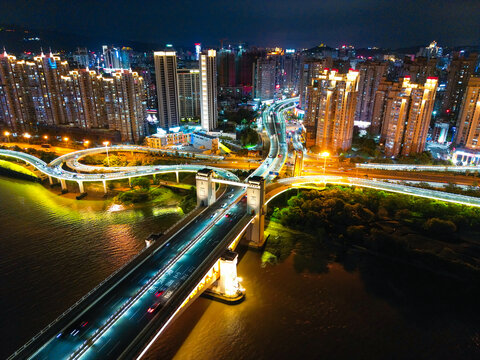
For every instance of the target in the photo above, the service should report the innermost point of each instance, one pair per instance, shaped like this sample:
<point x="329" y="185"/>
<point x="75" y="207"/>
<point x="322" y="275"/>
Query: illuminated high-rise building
<point x="167" y="88"/>
<point x="420" y="69"/>
<point x="198" y="50"/>
<point x="468" y="133"/>
<point x="330" y="110"/>
<point x="189" y="93"/>
<point x="265" y="78"/>
<point x="370" y="75"/>
<point x="30" y="91"/>
<point x="406" y="118"/>
<point x="459" y="73"/>
<point x="384" y="96"/>
<point x="126" y="105"/>
<point x="311" y="69"/>
<point x="208" y="90"/>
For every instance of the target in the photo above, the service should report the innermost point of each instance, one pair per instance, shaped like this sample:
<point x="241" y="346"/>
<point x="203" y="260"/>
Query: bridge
<point x="121" y="317"/>
<point x="126" y="313"/>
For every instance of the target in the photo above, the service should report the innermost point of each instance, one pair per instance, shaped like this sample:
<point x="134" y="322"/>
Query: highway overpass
<point x="120" y="318"/>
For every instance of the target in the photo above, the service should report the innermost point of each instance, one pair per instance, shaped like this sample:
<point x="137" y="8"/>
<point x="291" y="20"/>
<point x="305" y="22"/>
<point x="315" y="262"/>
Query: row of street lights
<point x="65" y="138"/>
<point x="45" y="137"/>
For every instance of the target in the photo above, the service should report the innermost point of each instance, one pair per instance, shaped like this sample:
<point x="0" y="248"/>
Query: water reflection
<point x="55" y="249"/>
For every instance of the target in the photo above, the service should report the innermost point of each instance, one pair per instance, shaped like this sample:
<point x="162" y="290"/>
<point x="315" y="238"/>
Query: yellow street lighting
<point x="7" y="134"/>
<point x="66" y="139"/>
<point x="106" y="143"/>
<point x="86" y="142"/>
<point x="27" y="136"/>
<point x="45" y="137"/>
<point x="324" y="154"/>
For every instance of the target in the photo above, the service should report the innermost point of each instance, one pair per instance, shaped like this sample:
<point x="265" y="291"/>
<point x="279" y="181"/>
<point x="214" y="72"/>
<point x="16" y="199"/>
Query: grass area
<point x="160" y="196"/>
<point x="16" y="168"/>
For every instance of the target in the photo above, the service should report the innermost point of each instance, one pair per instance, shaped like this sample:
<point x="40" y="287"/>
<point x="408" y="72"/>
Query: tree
<point x="141" y="182"/>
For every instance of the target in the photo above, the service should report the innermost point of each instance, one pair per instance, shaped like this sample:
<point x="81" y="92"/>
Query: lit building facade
<point x="370" y="75"/>
<point x="44" y="92"/>
<point x="468" y="133"/>
<point x="459" y="73"/>
<point x="330" y="110"/>
<point x="189" y="93"/>
<point x="406" y="118"/>
<point x="208" y="90"/>
<point x="167" y="88"/>
<point x="265" y="78"/>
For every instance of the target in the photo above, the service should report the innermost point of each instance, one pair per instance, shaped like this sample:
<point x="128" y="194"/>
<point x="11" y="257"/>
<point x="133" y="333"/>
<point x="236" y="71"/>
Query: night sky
<point x="287" y="23"/>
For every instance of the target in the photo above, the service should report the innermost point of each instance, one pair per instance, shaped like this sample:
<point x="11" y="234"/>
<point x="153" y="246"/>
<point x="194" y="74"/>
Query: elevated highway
<point x="120" y="320"/>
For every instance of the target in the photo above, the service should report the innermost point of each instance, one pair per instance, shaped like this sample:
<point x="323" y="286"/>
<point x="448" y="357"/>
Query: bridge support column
<point x="227" y="288"/>
<point x="205" y="188"/>
<point x="104" y="186"/>
<point x="80" y="186"/>
<point x="256" y="205"/>
<point x="63" y="183"/>
<point x="130" y="181"/>
<point x="50" y="180"/>
<point x="178" y="179"/>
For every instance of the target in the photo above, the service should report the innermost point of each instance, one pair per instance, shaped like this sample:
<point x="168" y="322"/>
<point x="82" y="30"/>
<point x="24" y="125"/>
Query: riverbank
<point x="439" y="237"/>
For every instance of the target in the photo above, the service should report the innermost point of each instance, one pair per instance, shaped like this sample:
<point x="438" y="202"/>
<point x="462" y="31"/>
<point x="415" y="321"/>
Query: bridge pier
<point x="63" y="183"/>
<point x="130" y="181"/>
<point x="80" y="186"/>
<point x="178" y="179"/>
<point x="104" y="186"/>
<point x="227" y="288"/>
<point x="256" y="205"/>
<point x="50" y="180"/>
<point x="205" y="187"/>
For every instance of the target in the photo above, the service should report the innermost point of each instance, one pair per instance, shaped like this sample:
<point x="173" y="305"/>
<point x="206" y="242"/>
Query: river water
<point x="349" y="306"/>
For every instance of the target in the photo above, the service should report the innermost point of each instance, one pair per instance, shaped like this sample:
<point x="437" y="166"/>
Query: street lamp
<point x="45" y="137"/>
<point x="27" y="136"/>
<point x="324" y="154"/>
<point x="7" y="134"/>
<point x="106" y="143"/>
<point x="85" y="143"/>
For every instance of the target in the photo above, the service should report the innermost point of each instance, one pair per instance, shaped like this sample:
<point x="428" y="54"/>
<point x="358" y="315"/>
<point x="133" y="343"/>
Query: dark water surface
<point x="54" y="250"/>
<point x="355" y="306"/>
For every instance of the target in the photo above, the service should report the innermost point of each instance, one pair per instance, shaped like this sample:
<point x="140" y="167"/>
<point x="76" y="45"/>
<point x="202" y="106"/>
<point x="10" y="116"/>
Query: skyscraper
<point x="311" y="69"/>
<point x="370" y="75"/>
<point x="407" y="117"/>
<point x="420" y="69"/>
<point x="208" y="90"/>
<point x="226" y="68"/>
<point x="43" y="92"/>
<point x="459" y="73"/>
<point x="468" y="133"/>
<point x="167" y="88"/>
<point x="31" y="91"/>
<point x="330" y="110"/>
<point x="265" y="78"/>
<point x="189" y="93"/>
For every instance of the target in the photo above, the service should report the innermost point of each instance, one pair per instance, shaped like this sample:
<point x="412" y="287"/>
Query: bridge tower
<point x="256" y="205"/>
<point x="205" y="187"/>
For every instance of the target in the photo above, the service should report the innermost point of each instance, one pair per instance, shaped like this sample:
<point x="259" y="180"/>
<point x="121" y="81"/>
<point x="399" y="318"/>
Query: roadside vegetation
<point x="143" y="191"/>
<point x="439" y="236"/>
<point x="14" y="170"/>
